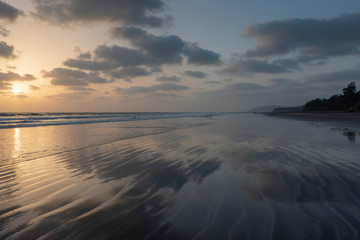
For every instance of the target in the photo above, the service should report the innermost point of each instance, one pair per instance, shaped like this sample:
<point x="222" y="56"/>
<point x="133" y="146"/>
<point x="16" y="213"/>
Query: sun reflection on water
<point x="17" y="143"/>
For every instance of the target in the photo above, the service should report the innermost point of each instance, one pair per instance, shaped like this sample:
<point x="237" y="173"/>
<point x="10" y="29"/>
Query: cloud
<point x="160" y="49"/>
<point x="195" y="74"/>
<point x="310" y="38"/>
<point x="170" y="87"/>
<point x="335" y="77"/>
<point x="280" y="81"/>
<point x="5" y="85"/>
<point x="169" y="79"/>
<point x="8" y="12"/>
<point x="81" y="89"/>
<point x="289" y="84"/>
<point x="212" y="82"/>
<point x="85" y="55"/>
<point x="11" y="76"/>
<point x="68" y="77"/>
<point x="200" y="56"/>
<point x="152" y="89"/>
<point x="288" y="63"/>
<point x="34" y="88"/>
<point x="139" y="12"/>
<point x="168" y="49"/>
<point x="21" y="96"/>
<point x="285" y="83"/>
<point x="10" y="67"/>
<point x="126" y="57"/>
<point x="245" y="66"/>
<point x="135" y="90"/>
<point x="90" y="65"/>
<point x="72" y="95"/>
<point x="3" y="31"/>
<point x="130" y="72"/>
<point x="246" y="86"/>
<point x="132" y="33"/>
<point x="6" y="51"/>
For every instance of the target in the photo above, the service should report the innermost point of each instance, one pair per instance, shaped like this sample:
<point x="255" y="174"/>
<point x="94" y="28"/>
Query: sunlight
<point x="17" y="143"/>
<point x="15" y="90"/>
<point x="18" y="88"/>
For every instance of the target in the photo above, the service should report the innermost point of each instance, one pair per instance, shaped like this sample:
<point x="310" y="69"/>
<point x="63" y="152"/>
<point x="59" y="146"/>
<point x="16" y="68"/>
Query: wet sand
<point x="327" y="116"/>
<point x="245" y="176"/>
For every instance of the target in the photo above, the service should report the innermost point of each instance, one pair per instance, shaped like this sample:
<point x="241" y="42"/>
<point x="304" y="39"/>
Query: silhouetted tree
<point x="348" y="101"/>
<point x="350" y="89"/>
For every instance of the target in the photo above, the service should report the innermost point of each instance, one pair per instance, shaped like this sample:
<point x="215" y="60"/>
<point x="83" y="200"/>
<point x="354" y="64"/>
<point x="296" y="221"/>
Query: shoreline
<point x="320" y="116"/>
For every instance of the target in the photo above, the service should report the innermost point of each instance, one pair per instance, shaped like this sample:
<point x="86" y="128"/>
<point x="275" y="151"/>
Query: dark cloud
<point x="160" y="49"/>
<point x="311" y="38"/>
<point x="246" y="86"/>
<point x="287" y="63"/>
<point x="135" y="90"/>
<point x="68" y="77"/>
<point x="200" y="56"/>
<point x="90" y="65"/>
<point x="164" y="49"/>
<point x="11" y="76"/>
<point x="289" y="84"/>
<point x="152" y="89"/>
<point x="6" y="51"/>
<point x="169" y="79"/>
<point x="195" y="74"/>
<point x="126" y="57"/>
<point x="139" y="12"/>
<point x="95" y="78"/>
<point x="132" y="33"/>
<point x="170" y="87"/>
<point x="130" y="72"/>
<point x="82" y="55"/>
<point x="168" y="49"/>
<point x="213" y="82"/>
<point x="9" y="12"/>
<point x="245" y="66"/>
<point x="34" y="88"/>
<point x="85" y="55"/>
<point x="3" y="31"/>
<point x="280" y="81"/>
<point x="335" y="77"/>
<point x="5" y="85"/>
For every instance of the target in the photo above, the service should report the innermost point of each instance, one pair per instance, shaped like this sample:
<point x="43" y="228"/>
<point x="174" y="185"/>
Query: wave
<point x="20" y="120"/>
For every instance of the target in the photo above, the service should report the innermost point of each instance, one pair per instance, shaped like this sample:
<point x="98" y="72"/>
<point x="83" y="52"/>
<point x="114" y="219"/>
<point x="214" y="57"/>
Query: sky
<point x="168" y="55"/>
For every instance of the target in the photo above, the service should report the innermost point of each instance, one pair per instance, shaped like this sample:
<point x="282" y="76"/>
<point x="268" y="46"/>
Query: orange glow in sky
<point x="173" y="55"/>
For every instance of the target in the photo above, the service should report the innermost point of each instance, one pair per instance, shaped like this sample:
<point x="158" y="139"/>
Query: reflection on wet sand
<point x="201" y="183"/>
<point x="348" y="133"/>
<point x="17" y="143"/>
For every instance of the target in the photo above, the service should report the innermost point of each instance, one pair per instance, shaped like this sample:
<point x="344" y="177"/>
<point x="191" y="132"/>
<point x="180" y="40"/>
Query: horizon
<point x="169" y="56"/>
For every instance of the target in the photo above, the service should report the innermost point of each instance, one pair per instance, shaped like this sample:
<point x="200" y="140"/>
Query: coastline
<point x="320" y="116"/>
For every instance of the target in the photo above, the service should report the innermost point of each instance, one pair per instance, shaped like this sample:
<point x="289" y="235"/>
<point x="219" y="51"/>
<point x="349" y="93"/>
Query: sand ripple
<point x="200" y="183"/>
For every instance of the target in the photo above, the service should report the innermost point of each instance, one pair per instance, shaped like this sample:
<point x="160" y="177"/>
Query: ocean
<point x="177" y="176"/>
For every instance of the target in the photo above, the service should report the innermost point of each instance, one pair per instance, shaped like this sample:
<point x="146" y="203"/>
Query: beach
<point x="226" y="176"/>
<point x="322" y="116"/>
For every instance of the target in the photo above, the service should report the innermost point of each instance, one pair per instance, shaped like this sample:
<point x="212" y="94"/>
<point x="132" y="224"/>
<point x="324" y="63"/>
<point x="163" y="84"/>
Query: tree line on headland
<point x="348" y="101"/>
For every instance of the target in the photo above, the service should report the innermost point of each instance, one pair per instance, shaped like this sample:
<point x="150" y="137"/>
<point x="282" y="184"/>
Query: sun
<point x="15" y="90"/>
<point x="18" y="88"/>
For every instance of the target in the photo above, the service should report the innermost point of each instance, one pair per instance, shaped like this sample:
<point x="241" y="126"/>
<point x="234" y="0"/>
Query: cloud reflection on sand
<point x="225" y="180"/>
